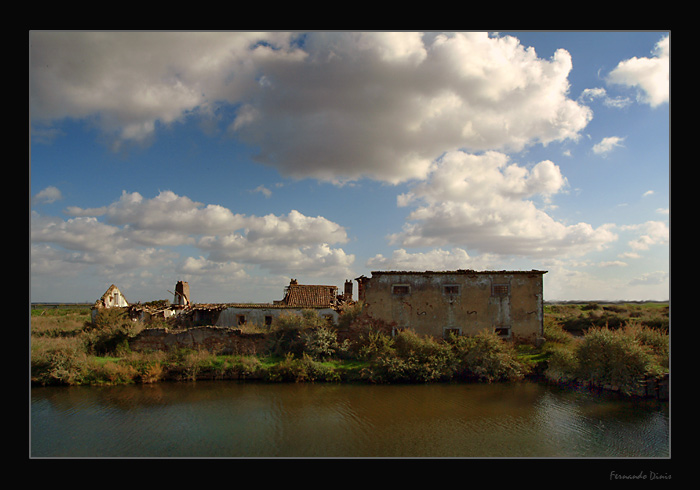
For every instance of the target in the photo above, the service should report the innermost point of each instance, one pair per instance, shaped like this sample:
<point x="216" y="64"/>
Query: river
<point x="210" y="419"/>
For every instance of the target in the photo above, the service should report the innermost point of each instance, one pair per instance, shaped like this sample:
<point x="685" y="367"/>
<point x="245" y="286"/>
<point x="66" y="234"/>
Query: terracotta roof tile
<point x="302" y="295"/>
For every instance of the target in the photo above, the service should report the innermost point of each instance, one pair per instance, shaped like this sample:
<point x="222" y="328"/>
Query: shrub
<point x="300" y="369"/>
<point x="322" y="343"/>
<point x="615" y="358"/>
<point x="407" y="357"/>
<point x="60" y="366"/>
<point x="286" y="333"/>
<point x="373" y="344"/>
<point x="554" y="332"/>
<point x="487" y="357"/>
<point x="349" y="314"/>
<point x="562" y="365"/>
<point x="110" y="332"/>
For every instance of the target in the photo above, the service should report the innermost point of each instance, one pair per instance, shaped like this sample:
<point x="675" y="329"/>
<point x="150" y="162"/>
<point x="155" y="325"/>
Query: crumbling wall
<point x="213" y="339"/>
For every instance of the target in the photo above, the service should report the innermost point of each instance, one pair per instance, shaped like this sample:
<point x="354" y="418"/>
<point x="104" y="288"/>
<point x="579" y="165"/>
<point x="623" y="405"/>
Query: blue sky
<point x="238" y="160"/>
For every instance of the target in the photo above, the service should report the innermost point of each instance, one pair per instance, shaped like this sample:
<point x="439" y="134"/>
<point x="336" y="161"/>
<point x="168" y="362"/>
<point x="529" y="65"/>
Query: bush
<point x="616" y="358"/>
<point x="110" y="332"/>
<point x="487" y="357"/>
<point x="407" y="357"/>
<point x="299" y="370"/>
<point x="562" y="364"/>
<point x="60" y="366"/>
<point x="554" y="332"/>
<point x="322" y="343"/>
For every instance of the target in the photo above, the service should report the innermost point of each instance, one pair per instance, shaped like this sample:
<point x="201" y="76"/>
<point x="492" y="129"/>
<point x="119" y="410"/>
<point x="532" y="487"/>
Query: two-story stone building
<point x="462" y="301"/>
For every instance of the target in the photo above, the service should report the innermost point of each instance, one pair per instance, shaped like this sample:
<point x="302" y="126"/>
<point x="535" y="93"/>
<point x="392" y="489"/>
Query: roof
<point x="459" y="271"/>
<point x="107" y="295"/>
<point x="302" y="295"/>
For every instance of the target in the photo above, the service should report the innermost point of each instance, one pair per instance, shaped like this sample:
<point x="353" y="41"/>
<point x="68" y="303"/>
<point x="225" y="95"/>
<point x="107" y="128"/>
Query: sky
<point x="237" y="161"/>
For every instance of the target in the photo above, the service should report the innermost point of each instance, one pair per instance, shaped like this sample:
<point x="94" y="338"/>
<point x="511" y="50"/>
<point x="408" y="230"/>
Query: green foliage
<point x="623" y="358"/>
<point x="322" y="343"/>
<point x="109" y="333"/>
<point x="305" y="334"/>
<point x="487" y="357"/>
<point x="349" y="315"/>
<point x="407" y="358"/>
<point x="300" y="369"/>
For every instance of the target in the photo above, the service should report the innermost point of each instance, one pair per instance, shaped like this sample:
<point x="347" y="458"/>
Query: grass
<point x="68" y="348"/>
<point x="576" y="318"/>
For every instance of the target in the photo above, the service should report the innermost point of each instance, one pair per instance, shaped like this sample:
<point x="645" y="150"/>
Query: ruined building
<point x="464" y="302"/>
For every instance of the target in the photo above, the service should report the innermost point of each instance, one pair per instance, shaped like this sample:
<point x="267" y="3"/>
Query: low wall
<point x="221" y="340"/>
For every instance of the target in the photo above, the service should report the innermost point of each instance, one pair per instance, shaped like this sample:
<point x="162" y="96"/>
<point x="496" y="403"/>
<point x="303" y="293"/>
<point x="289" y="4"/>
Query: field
<point x="577" y="317"/>
<point x="596" y="344"/>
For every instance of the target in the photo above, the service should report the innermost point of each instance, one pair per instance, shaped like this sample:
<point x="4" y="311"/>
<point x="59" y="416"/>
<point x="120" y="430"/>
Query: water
<point x="231" y="419"/>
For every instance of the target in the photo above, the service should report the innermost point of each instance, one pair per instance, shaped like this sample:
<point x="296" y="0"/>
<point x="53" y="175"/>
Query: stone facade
<point x="213" y="339"/>
<point x="464" y="302"/>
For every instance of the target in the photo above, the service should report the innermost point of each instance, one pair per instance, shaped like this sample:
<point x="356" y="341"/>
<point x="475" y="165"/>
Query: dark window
<point x="400" y="289"/>
<point x="502" y="331"/>
<point x="268" y="320"/>
<point x="500" y="290"/>
<point x="240" y="319"/>
<point x="451" y="289"/>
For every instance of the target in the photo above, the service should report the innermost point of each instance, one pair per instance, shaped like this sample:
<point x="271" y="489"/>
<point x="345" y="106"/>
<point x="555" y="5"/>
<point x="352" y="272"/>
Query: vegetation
<point x="68" y="348"/>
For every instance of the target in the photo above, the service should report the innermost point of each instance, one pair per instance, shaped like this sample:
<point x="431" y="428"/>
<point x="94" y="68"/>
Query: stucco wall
<point x="468" y="301"/>
<point x="256" y="315"/>
<point x="213" y="339"/>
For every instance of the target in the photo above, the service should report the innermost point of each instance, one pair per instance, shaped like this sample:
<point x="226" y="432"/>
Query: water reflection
<point x="228" y="419"/>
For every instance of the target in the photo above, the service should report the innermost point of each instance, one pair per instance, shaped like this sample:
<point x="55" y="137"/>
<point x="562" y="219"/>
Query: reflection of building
<point x="463" y="301"/>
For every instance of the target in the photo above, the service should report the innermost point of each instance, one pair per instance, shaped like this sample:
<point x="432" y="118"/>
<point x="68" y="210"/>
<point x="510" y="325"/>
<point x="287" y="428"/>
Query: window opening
<point x="399" y="289"/>
<point x="451" y="289"/>
<point x="500" y="289"/>
<point x="502" y="331"/>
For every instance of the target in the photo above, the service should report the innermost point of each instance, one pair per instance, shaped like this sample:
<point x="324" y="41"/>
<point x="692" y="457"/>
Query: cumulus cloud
<point x="648" y="75"/>
<point x="48" y="195"/>
<point x="134" y="231"/>
<point x="435" y="259"/>
<point x="648" y="234"/>
<point x="334" y="106"/>
<point x="607" y="145"/>
<point x="483" y="202"/>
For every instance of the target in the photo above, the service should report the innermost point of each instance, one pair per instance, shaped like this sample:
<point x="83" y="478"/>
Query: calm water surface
<point x="231" y="419"/>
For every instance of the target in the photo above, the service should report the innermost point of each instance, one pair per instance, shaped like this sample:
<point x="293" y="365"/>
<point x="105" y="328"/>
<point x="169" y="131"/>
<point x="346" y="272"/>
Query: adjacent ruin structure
<point x="463" y="302"/>
<point x="435" y="303"/>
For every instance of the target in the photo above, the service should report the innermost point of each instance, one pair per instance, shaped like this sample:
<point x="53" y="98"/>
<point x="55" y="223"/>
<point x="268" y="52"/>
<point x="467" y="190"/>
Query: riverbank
<point x="67" y="349"/>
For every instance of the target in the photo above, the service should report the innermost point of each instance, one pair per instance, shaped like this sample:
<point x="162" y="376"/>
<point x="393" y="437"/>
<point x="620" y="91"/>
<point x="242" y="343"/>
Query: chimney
<point x="182" y="293"/>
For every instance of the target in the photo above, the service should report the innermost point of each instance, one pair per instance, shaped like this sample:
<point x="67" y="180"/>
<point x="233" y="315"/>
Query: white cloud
<point x="483" y="203"/>
<point x="649" y="234"/>
<point x="590" y="94"/>
<point x="133" y="227"/>
<point x="649" y="75"/>
<point x="650" y="278"/>
<point x="334" y="106"/>
<point x="607" y="145"/>
<point x="48" y="195"/>
<point x="263" y="190"/>
<point x="435" y="259"/>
